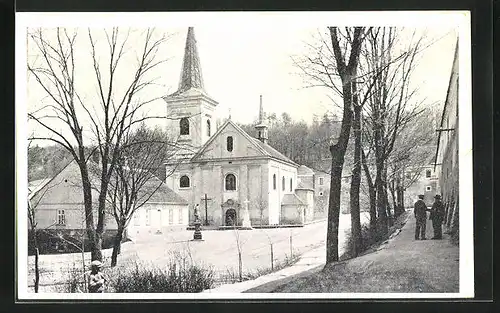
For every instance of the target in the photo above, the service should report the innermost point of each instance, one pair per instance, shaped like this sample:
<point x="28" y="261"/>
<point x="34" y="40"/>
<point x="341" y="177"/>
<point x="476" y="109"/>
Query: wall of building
<point x="209" y="178"/>
<point x="292" y="214"/>
<point x="281" y="170"/>
<point x="427" y="186"/>
<point x="307" y="196"/>
<point x="158" y="218"/>
<point x="448" y="154"/>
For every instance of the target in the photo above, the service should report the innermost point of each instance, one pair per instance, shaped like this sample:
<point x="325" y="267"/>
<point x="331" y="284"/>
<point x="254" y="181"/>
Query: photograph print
<point x="244" y="155"/>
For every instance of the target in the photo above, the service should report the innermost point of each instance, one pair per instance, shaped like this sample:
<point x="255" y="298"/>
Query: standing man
<point x="437" y="217"/>
<point x="420" y="212"/>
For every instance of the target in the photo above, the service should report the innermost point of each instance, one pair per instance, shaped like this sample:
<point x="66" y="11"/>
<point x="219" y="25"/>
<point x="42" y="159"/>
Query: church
<point x="222" y="172"/>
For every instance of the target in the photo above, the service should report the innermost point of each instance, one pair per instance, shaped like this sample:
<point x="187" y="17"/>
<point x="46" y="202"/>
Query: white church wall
<point x="276" y="194"/>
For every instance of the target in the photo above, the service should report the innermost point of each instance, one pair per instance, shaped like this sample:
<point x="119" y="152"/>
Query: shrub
<point x="178" y="276"/>
<point x="367" y="240"/>
<point x="75" y="280"/>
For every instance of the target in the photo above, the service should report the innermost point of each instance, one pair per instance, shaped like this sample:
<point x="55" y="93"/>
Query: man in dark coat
<point x="437" y="217"/>
<point x="420" y="212"/>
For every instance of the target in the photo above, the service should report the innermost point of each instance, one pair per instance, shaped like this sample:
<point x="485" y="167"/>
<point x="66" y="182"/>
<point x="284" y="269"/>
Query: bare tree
<point x="391" y="104"/>
<point x="133" y="181"/>
<point x="334" y="66"/>
<point x="100" y="115"/>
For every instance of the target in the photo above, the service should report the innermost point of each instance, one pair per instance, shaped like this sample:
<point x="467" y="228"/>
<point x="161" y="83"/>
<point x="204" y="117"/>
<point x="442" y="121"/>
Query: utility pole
<point x="206" y="208"/>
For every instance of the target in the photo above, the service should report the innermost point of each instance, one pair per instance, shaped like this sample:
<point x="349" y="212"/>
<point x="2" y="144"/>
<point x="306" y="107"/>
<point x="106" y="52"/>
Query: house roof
<point x="163" y="193"/>
<point x="291" y="199"/>
<point x="65" y="187"/>
<point x="304" y="170"/>
<point x="305" y="185"/>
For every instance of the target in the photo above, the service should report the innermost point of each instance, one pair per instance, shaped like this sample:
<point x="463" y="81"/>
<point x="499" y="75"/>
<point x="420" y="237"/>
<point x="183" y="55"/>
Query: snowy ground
<point x="218" y="249"/>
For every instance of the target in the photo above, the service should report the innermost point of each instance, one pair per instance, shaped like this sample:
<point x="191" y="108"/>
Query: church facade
<point x="223" y="172"/>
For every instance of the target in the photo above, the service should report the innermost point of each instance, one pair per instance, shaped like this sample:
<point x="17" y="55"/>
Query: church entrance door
<point x="231" y="217"/>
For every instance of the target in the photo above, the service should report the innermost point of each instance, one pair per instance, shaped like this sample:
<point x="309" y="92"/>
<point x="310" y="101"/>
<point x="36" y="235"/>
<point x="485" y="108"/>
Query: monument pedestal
<point x="197" y="231"/>
<point x="245" y="223"/>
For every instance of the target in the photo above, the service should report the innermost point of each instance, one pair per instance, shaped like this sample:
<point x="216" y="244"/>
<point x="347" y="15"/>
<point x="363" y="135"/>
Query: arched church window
<point x="229" y="143"/>
<point x="283" y="183"/>
<point x="230" y="182"/>
<point x="184" y="125"/>
<point x="208" y="128"/>
<point x="274" y="181"/>
<point x="184" y="182"/>
<point x="290" y="185"/>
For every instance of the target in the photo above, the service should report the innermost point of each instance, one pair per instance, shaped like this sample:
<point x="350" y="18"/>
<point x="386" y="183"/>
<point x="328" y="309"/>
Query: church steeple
<point x="262" y="125"/>
<point x="191" y="76"/>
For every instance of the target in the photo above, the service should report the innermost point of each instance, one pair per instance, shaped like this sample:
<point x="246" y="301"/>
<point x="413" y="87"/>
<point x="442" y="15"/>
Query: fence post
<point x="272" y="258"/>
<point x="291" y="249"/>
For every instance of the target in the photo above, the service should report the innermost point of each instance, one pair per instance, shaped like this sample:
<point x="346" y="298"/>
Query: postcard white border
<point x="293" y="19"/>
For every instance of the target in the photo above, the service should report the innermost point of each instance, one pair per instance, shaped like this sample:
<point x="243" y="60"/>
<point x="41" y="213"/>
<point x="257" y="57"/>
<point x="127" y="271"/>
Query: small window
<point x="428" y="188"/>
<point x="283" y="183"/>
<point x="229" y="143"/>
<point x="184" y="125"/>
<point x="137" y="218"/>
<point x="184" y="181"/>
<point x="147" y="217"/>
<point x="321" y="180"/>
<point x="170" y="216"/>
<point x="291" y="185"/>
<point x="230" y="182"/>
<point x="428" y="173"/>
<point x="61" y="217"/>
<point x="180" y="217"/>
<point x="274" y="181"/>
<point x="408" y="176"/>
<point x="208" y="129"/>
<point x="321" y="193"/>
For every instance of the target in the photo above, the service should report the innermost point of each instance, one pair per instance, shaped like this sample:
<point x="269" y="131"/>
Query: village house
<point x="59" y="210"/>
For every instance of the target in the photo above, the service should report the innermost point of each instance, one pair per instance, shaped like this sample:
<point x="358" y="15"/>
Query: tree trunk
<point x="347" y="74"/>
<point x="89" y="213"/>
<point x="372" y="193"/>
<point x="37" y="253"/>
<point x="355" y="184"/>
<point x="117" y="246"/>
<point x="393" y="197"/>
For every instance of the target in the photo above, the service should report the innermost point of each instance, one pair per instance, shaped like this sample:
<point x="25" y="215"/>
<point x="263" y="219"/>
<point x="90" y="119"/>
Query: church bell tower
<point x="190" y="110"/>
<point x="261" y="127"/>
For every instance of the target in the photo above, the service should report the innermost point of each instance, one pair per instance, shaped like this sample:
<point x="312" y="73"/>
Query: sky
<point x="241" y="61"/>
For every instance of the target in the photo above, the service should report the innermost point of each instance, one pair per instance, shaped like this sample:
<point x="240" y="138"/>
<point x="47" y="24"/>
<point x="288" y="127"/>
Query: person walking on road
<point x="420" y="212"/>
<point x="437" y="217"/>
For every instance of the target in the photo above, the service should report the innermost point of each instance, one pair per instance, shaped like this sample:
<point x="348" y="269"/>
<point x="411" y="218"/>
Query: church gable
<point x="230" y="141"/>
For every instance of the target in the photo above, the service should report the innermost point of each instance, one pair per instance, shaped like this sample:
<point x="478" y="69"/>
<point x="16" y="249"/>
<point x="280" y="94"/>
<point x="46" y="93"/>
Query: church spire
<point x="262" y="125"/>
<point x="191" y="76"/>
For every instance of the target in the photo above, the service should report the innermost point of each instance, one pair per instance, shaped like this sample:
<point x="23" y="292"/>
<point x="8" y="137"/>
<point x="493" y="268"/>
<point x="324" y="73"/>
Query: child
<point x="96" y="277"/>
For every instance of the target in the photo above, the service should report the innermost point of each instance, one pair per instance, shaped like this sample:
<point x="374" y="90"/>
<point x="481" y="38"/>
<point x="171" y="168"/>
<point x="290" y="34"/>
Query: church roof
<point x="191" y="76"/>
<point x="272" y="152"/>
<point x="291" y="199"/>
<point x="264" y="148"/>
